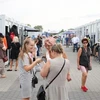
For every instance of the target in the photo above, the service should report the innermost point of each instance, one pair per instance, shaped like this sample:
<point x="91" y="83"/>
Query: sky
<point x="52" y="14"/>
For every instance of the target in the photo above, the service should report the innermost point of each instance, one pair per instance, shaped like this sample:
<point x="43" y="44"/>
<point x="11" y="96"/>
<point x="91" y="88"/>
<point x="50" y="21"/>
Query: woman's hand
<point x="78" y="67"/>
<point x="68" y="77"/>
<point x="78" y="58"/>
<point x="38" y="60"/>
<point x="4" y="48"/>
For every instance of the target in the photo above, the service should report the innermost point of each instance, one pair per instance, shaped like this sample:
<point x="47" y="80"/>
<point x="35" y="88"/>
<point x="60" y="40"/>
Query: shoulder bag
<point x="34" y="80"/>
<point x="41" y="95"/>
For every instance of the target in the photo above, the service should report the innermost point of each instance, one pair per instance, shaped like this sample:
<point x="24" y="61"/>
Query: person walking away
<point x="35" y="48"/>
<point x="75" y="41"/>
<point x="67" y="40"/>
<point x="58" y="89"/>
<point x="43" y="39"/>
<point x="2" y="55"/>
<point x="84" y="62"/>
<point x="39" y="45"/>
<point x="15" y="49"/>
<point x="63" y="40"/>
<point x="88" y="37"/>
<point x="58" y="40"/>
<point x="26" y="65"/>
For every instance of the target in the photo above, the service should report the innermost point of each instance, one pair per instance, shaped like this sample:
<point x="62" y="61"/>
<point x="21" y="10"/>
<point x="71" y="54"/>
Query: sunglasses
<point x="85" y="42"/>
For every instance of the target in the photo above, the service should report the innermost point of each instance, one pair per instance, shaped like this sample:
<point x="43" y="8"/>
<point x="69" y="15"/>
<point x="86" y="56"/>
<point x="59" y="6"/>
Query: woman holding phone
<point x="26" y="64"/>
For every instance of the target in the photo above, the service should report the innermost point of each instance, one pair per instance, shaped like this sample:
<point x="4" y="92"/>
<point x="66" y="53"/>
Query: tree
<point x="39" y="27"/>
<point x="62" y="31"/>
<point x="28" y="25"/>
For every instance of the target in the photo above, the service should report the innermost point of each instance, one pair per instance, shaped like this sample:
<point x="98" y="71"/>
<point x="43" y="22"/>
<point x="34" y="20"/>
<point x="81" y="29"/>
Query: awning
<point x="31" y="30"/>
<point x="69" y="32"/>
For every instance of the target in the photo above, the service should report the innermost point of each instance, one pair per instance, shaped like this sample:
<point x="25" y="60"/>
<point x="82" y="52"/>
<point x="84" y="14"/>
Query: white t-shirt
<point x="75" y="40"/>
<point x="48" y="56"/>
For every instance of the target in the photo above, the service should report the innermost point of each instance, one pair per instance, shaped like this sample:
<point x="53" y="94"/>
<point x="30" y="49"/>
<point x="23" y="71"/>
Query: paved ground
<point x="10" y="88"/>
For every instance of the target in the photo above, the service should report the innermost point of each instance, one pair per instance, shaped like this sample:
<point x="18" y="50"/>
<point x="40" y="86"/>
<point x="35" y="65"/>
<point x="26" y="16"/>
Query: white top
<point x="75" y="40"/>
<point x="48" y="56"/>
<point x="43" y="40"/>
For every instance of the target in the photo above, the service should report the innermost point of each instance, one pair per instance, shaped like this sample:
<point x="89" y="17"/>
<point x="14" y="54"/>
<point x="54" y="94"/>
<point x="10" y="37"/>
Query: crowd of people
<point x="27" y="57"/>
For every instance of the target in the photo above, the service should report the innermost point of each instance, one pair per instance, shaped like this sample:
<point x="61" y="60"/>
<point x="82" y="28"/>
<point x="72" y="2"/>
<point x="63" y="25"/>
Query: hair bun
<point x="57" y="48"/>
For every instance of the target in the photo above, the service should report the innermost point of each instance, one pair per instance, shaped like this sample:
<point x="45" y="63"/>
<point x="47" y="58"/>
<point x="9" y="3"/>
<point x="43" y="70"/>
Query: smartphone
<point x="34" y="59"/>
<point x="44" y="59"/>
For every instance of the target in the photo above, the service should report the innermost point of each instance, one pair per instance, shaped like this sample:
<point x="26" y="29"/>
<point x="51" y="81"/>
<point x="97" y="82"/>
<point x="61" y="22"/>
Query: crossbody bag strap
<point x="33" y="72"/>
<point x="56" y="75"/>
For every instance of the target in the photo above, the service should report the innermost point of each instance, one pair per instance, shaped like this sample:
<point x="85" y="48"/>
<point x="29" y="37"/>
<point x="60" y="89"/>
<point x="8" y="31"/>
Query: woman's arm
<point x="29" y="67"/>
<point x="68" y="72"/>
<point x="3" y="47"/>
<point x="78" y="57"/>
<point x="45" y="70"/>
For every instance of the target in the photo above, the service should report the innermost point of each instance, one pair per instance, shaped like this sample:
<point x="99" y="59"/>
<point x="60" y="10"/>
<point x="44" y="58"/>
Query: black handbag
<point x="41" y="95"/>
<point x="34" y="80"/>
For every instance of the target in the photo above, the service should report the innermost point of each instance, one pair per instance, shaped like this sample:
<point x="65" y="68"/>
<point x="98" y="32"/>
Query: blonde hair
<point x="15" y="39"/>
<point x="57" y="48"/>
<point x="24" y="49"/>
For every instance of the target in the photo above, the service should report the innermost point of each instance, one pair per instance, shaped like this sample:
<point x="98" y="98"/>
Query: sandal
<point x="9" y="70"/>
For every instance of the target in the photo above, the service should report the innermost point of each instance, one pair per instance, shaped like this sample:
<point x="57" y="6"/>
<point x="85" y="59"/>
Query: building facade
<point x="92" y="29"/>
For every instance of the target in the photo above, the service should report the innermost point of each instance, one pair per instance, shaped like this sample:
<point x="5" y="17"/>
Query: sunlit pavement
<point x="10" y="87"/>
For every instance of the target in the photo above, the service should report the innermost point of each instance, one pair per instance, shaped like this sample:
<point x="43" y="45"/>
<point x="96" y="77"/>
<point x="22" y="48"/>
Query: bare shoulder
<point x="79" y="52"/>
<point x="80" y="49"/>
<point x="64" y="55"/>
